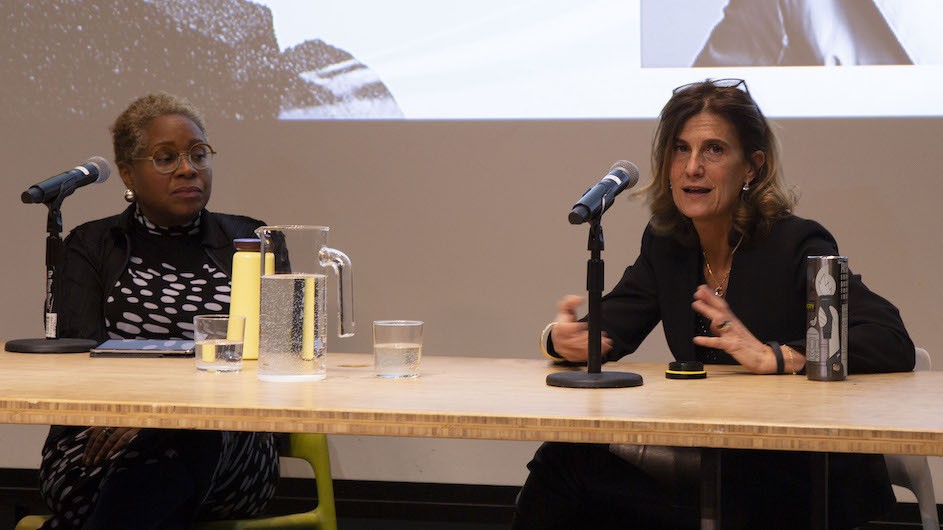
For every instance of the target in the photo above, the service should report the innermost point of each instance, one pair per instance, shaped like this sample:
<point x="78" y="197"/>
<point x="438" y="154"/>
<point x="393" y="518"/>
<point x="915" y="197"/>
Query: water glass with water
<point x="397" y="347"/>
<point x="219" y="342"/>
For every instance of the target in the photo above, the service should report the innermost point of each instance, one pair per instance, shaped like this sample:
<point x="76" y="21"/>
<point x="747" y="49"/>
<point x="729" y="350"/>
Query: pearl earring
<point x="129" y="195"/>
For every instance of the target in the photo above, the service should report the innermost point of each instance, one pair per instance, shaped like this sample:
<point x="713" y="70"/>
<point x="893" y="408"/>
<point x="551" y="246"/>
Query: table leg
<point x="819" y="492"/>
<point x="710" y="488"/>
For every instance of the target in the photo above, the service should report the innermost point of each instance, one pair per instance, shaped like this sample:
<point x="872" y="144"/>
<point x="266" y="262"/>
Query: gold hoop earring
<point x="129" y="195"/>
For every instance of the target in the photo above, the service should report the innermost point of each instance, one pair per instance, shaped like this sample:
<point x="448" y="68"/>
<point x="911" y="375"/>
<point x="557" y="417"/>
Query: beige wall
<point x="463" y="225"/>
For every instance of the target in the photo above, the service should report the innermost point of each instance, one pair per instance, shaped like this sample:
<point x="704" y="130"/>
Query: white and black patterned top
<point x="228" y="474"/>
<point x="169" y="280"/>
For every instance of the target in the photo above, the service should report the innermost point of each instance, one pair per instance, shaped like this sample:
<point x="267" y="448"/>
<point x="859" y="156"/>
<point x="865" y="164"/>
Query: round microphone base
<point x="600" y="380"/>
<point x="50" y="345"/>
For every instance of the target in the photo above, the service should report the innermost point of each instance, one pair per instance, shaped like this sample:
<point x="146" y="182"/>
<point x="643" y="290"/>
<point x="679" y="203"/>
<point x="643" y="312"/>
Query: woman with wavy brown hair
<point x="722" y="267"/>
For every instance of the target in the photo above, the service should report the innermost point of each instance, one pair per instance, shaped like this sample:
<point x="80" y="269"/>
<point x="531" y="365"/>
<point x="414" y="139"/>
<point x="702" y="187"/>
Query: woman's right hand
<point x="571" y="338"/>
<point x="105" y="442"/>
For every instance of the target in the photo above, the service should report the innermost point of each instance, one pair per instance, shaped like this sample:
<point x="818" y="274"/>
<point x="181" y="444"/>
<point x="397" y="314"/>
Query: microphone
<point x="622" y="175"/>
<point x="94" y="170"/>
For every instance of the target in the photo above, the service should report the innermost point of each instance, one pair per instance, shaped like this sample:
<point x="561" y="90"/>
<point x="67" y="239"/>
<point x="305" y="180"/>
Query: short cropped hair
<point x="127" y="133"/>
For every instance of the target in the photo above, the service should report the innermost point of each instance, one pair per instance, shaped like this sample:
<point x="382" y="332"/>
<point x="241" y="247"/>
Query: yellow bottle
<point x="246" y="287"/>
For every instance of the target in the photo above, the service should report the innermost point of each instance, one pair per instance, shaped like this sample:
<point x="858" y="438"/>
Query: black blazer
<point x="766" y="290"/>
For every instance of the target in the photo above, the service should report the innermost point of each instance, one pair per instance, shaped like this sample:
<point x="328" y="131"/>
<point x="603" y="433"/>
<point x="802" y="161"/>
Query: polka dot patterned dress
<point x="169" y="280"/>
<point x="162" y="478"/>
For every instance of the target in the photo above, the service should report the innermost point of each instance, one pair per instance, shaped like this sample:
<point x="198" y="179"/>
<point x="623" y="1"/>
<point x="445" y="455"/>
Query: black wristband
<point x="778" y="352"/>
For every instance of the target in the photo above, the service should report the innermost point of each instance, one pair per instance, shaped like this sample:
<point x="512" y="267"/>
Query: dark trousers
<point x="163" y="479"/>
<point x="573" y="486"/>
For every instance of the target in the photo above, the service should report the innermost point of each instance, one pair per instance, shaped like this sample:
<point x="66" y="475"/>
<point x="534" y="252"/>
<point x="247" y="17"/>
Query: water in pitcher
<point x="293" y="327"/>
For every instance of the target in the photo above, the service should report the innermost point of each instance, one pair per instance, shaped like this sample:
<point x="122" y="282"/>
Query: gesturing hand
<point x="105" y="442"/>
<point x="571" y="338"/>
<point x="730" y="335"/>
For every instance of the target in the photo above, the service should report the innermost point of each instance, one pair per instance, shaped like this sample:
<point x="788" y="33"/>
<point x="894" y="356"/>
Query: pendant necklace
<point x="721" y="286"/>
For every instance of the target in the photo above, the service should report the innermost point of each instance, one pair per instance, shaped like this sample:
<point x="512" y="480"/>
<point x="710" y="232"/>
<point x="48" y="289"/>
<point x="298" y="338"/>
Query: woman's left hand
<point x="105" y="442"/>
<point x="730" y="335"/>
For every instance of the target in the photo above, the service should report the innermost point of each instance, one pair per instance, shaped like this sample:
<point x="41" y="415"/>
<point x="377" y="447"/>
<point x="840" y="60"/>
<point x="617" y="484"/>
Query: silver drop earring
<point x="129" y="195"/>
<point x="746" y="186"/>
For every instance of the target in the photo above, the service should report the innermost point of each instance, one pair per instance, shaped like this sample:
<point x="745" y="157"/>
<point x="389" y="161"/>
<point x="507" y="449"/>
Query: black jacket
<point x="766" y="290"/>
<point x="96" y="254"/>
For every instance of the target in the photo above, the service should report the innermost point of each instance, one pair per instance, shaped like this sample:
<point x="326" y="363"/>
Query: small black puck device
<point x="685" y="370"/>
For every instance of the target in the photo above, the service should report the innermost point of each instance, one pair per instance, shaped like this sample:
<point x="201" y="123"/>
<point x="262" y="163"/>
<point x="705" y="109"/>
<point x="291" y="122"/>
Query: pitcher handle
<point x="339" y="261"/>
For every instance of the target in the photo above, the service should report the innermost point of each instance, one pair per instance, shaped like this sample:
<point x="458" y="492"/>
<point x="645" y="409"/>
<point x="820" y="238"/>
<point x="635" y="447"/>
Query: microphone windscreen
<point x="629" y="169"/>
<point x="104" y="168"/>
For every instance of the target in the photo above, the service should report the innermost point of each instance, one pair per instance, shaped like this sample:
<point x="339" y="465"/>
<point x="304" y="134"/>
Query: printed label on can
<point x="52" y="322"/>
<point x="827" y="310"/>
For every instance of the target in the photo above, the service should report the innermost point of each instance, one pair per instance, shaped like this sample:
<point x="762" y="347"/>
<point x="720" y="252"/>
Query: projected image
<point x="79" y="58"/>
<point x="487" y="59"/>
<point x="794" y="33"/>
<point x="275" y="59"/>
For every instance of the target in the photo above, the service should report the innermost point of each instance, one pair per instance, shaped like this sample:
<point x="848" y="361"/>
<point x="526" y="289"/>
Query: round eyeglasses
<point x="167" y="160"/>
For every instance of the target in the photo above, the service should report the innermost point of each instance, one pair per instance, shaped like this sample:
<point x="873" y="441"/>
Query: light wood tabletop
<point x="486" y="398"/>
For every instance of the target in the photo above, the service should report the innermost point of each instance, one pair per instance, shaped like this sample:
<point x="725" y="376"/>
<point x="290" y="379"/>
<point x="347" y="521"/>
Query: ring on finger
<point x="723" y="325"/>
<point x="107" y="431"/>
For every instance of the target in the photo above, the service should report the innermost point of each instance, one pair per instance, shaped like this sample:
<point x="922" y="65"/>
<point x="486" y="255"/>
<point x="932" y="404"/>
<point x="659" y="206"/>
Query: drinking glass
<point x="218" y="342"/>
<point x="397" y="347"/>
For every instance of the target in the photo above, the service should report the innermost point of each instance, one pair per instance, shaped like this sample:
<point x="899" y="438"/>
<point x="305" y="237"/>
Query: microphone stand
<point x="594" y="377"/>
<point x="51" y="343"/>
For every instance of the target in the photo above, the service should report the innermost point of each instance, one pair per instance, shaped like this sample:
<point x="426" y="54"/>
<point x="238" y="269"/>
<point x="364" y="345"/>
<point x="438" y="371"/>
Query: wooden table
<point x="486" y="398"/>
<point x="497" y="399"/>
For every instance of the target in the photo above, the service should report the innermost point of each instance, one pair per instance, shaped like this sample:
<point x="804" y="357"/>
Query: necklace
<point x="721" y="285"/>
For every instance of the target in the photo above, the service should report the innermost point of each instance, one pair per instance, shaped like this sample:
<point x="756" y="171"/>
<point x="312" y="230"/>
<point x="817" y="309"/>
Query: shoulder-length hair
<point x="768" y="196"/>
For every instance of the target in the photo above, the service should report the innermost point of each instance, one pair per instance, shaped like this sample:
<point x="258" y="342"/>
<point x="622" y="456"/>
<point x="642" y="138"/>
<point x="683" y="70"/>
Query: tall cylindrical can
<point x="246" y="286"/>
<point x="827" y="308"/>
